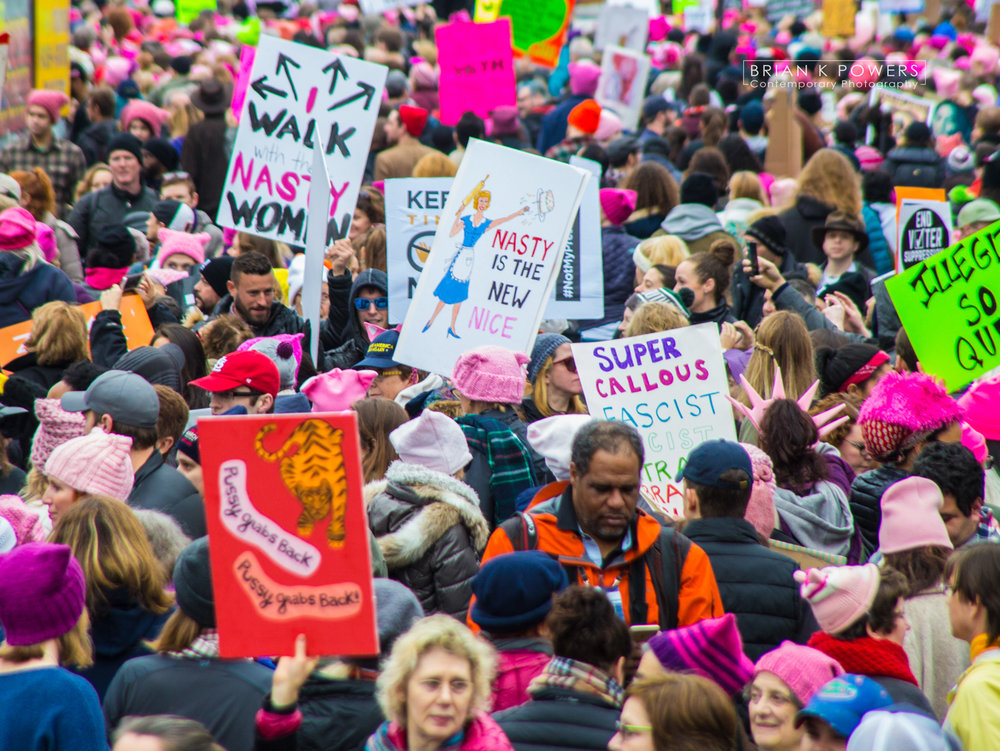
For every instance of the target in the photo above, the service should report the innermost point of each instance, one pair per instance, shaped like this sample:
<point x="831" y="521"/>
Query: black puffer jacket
<point x="866" y="502"/>
<point x="756" y="584"/>
<point x="915" y="167"/>
<point x="337" y="715"/>
<point x="431" y="533"/>
<point x="799" y="220"/>
<point x="560" y="718"/>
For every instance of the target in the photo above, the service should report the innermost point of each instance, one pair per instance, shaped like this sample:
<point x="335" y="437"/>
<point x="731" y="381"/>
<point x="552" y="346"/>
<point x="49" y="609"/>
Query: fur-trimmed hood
<point x="444" y="501"/>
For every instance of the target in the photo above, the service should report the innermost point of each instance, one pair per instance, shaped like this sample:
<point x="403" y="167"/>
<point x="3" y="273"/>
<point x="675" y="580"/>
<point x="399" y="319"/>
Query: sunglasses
<point x="364" y="303"/>
<point x="176" y="176"/>
<point x="569" y="363"/>
<point x="627" y="730"/>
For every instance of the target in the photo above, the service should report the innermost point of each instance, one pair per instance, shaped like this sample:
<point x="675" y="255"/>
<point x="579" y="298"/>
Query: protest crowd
<point x="561" y="555"/>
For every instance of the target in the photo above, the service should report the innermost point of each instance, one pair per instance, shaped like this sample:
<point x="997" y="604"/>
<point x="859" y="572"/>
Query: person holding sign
<point x="453" y="289"/>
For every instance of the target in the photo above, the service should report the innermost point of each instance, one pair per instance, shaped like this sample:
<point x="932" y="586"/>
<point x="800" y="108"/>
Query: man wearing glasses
<point x="345" y="337"/>
<point x="242" y="379"/>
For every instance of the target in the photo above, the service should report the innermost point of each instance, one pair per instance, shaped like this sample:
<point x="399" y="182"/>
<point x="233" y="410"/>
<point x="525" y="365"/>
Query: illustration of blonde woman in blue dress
<point x="453" y="289"/>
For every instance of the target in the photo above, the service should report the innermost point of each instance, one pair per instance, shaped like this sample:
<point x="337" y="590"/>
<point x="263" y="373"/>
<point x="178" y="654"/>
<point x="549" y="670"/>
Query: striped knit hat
<point x="839" y="595"/>
<point x="55" y="427"/>
<point x="712" y="648"/>
<point x="98" y="463"/>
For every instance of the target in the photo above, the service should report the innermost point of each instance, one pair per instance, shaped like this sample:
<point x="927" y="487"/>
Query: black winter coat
<point x="755" y="583"/>
<point x="162" y="488"/>
<point x="204" y="156"/>
<point x="560" y="718"/>
<point x="799" y="220"/>
<point x="346" y="341"/>
<point x="431" y="532"/>
<point x="915" y="167"/>
<point x="748" y="298"/>
<point x="281" y="320"/>
<point x="106" y="206"/>
<point x="617" y="247"/>
<point x="866" y="502"/>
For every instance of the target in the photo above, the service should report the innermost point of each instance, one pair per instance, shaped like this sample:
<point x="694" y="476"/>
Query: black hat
<point x="620" y="149"/>
<point x="181" y="64"/>
<point x="193" y="583"/>
<point x="117" y="244"/>
<point x="699" y="187"/>
<point x="852" y="284"/>
<point x="164" y="152"/>
<point x="917" y="134"/>
<point x="125" y="142"/>
<point x="841" y="220"/>
<point x="770" y="231"/>
<point x="216" y="272"/>
<point x="212" y="97"/>
<point x="158" y="365"/>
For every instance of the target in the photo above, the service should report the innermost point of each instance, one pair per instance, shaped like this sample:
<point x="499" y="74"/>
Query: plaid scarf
<point x="509" y="460"/>
<point x="204" y="647"/>
<point x="562" y="672"/>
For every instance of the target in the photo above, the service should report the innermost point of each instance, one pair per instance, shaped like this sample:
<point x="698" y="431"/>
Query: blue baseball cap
<point x="708" y="461"/>
<point x="843" y="701"/>
<point x="380" y="352"/>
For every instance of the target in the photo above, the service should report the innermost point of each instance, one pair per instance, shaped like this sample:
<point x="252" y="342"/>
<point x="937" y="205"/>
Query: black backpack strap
<point x="666" y="560"/>
<point x="521" y="531"/>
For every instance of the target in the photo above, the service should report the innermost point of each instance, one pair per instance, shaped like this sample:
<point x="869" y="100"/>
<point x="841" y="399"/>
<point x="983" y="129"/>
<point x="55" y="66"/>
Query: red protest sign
<point x="288" y="534"/>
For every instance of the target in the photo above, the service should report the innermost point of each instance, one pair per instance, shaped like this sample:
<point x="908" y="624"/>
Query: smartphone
<point x="752" y="257"/>
<point x="131" y="282"/>
<point x="643" y="632"/>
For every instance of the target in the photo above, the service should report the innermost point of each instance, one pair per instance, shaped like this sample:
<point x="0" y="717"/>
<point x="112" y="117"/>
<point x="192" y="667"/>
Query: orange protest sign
<point x="135" y="321"/>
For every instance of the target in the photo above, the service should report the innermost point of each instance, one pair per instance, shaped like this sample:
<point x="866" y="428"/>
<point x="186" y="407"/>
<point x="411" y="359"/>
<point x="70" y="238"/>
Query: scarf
<point x="866" y="656"/>
<point x="980" y="644"/>
<point x="390" y="736"/>
<point x="562" y="672"/>
<point x="102" y="278"/>
<point x="204" y="647"/>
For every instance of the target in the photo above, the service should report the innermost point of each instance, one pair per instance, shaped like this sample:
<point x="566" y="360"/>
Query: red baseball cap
<point x="247" y="368"/>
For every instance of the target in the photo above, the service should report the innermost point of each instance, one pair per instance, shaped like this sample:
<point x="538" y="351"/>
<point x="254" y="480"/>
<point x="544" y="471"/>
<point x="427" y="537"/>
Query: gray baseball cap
<point x="127" y="397"/>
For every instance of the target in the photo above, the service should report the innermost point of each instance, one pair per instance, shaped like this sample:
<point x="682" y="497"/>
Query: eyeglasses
<point x="364" y="303"/>
<point x="568" y="362"/>
<point x="176" y="176"/>
<point x="625" y="730"/>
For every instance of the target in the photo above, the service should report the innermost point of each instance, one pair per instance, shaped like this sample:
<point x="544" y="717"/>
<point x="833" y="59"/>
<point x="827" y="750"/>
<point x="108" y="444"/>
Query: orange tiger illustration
<point x="312" y="468"/>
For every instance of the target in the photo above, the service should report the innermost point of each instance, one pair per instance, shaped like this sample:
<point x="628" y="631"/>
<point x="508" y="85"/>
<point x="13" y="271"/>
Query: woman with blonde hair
<point x="435" y="690"/>
<point x="826" y="184"/>
<point x="125" y="587"/>
<point x="746" y="197"/>
<point x="662" y="250"/>
<point x="652" y="317"/>
<point x="39" y="198"/>
<point x="554" y="383"/>
<point x="434" y="164"/>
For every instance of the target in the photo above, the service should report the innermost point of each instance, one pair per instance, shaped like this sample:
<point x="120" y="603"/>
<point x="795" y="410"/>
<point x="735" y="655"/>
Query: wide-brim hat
<point x="838" y="220"/>
<point x="212" y="97"/>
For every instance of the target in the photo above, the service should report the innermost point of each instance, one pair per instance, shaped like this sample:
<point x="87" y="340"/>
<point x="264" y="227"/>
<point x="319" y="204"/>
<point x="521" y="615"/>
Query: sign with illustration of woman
<point x="453" y="289"/>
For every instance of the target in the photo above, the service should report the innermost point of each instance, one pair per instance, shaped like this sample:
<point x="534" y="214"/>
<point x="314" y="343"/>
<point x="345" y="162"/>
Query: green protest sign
<point x="949" y="306"/>
<point x="188" y="10"/>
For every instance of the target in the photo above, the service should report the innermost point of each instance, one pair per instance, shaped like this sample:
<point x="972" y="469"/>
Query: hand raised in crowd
<point x="769" y="276"/>
<point x="147" y="291"/>
<point x="111" y="298"/>
<point x="834" y="312"/>
<point x="290" y="675"/>
<point x="340" y="254"/>
<point x="852" y="320"/>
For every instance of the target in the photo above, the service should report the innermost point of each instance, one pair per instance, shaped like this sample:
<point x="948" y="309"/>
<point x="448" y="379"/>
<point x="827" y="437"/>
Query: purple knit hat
<point x="491" y="374"/>
<point x="712" y="648"/>
<point x="55" y="427"/>
<point x="41" y="593"/>
<point x="27" y="524"/>
<point x="98" y="463"/>
<point x="804" y="669"/>
<point x="902" y="410"/>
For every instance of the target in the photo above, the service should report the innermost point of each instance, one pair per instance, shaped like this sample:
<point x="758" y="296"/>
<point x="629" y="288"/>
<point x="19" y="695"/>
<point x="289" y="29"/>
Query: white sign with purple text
<point x="671" y="386"/>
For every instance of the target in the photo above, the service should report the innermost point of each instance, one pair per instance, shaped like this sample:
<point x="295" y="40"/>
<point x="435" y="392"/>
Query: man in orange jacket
<point x="651" y="573"/>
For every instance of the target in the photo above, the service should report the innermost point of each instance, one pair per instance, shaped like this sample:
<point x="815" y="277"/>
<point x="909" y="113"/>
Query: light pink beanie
<point x="55" y="427"/>
<point x="27" y="524"/>
<point x="803" y="668"/>
<point x="98" y="463"/>
<point x="911" y="516"/>
<point x="491" y="374"/>
<point x="337" y="390"/>
<point x="184" y="243"/>
<point x="839" y="595"/>
<point x="760" y="509"/>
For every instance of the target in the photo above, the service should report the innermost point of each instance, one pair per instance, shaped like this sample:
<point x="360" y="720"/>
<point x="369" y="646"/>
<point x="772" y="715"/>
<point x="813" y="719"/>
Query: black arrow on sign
<point x="283" y="65"/>
<point x="262" y="89"/>
<point x="336" y="67"/>
<point x="367" y="91"/>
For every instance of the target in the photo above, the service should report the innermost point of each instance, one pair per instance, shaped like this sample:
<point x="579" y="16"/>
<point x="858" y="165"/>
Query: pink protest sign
<point x="242" y="79"/>
<point x="477" y="68"/>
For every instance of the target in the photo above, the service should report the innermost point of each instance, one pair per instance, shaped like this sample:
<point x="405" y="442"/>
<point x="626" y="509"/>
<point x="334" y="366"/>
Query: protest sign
<point x="287" y="533"/>
<point x="579" y="290"/>
<point x="296" y="92"/>
<point x="949" y="306"/>
<point x="319" y="205"/>
<point x="908" y="107"/>
<point x="135" y="324"/>
<point x="539" y="27"/>
<point x="622" y="26"/>
<point x="838" y="18"/>
<point x="374" y="7"/>
<point x="923" y="218"/>
<point x="494" y="258"/>
<point x="622" y="85"/>
<point x="477" y="68"/>
<point x="778" y="9"/>
<point x="188" y="10"/>
<point x="247" y="54"/>
<point x="413" y="208"/>
<point x="671" y="386"/>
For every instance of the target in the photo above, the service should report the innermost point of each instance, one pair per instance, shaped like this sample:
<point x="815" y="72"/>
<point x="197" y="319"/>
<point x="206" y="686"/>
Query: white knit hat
<point x="434" y="441"/>
<point x="552" y="437"/>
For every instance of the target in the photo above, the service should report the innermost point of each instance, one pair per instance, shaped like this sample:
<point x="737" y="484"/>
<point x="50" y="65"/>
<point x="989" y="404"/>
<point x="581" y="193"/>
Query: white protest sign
<point x="413" y="207"/>
<point x="319" y="205"/>
<point x="622" y="85"/>
<point x="297" y="92"/>
<point x="494" y="259"/>
<point x="923" y="228"/>
<point x="671" y="386"/>
<point x="374" y="7"/>
<point x="622" y="26"/>
<point x="579" y="290"/>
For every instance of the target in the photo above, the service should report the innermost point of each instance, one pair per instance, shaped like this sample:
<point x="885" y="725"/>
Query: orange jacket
<point x="558" y="534"/>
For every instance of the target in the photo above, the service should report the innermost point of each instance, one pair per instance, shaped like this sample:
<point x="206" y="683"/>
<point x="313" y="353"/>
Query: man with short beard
<point x="251" y="297"/>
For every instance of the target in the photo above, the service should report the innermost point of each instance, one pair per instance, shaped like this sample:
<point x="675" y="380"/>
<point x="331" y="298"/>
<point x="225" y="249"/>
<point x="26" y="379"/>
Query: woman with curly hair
<point x="656" y="193"/>
<point x="39" y="198"/>
<point x="846" y="437"/>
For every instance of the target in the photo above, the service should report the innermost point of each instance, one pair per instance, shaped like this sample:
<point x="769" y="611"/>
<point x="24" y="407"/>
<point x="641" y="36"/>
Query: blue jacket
<point x="21" y="293"/>
<point x="617" y="247"/>
<point x="554" y="123"/>
<point x="877" y="244"/>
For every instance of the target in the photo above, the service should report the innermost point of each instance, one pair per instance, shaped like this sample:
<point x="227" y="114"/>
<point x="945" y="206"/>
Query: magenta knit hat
<point x="712" y="648"/>
<point x="617" y="204"/>
<point x="148" y="112"/>
<point x="981" y="404"/>
<point x="97" y="463"/>
<point x="839" y="595"/>
<point x="973" y="440"/>
<point x="50" y="100"/>
<point x="760" y="509"/>
<point x="902" y="410"/>
<point x="41" y="593"/>
<point x="805" y="670"/>
<point x="583" y="78"/>
<point x="17" y="229"/>
<point x="491" y="374"/>
<point x="192" y="246"/>
<point x="55" y="427"/>
<point x="911" y="516"/>
<point x="27" y="524"/>
<point x="337" y="390"/>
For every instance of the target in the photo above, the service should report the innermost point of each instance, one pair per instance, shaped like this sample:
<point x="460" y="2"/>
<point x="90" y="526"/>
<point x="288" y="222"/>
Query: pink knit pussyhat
<point x="839" y="595"/>
<point x="55" y="427"/>
<point x="911" y="516"/>
<point x="98" y="463"/>
<point x="183" y="243"/>
<point x="26" y="523"/>
<point x="491" y="374"/>
<point x="336" y="390"/>
<point x="802" y="668"/>
<point x="903" y="410"/>
<point x="760" y="508"/>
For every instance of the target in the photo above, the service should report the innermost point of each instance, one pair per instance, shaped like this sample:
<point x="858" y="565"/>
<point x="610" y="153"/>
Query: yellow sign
<point x="52" y="44"/>
<point x="838" y="18"/>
